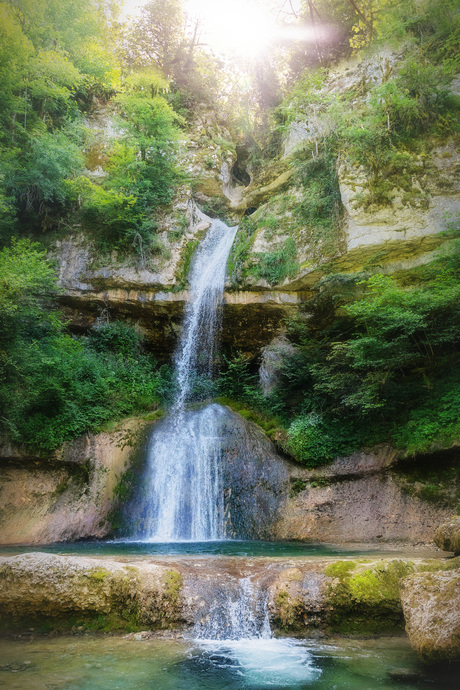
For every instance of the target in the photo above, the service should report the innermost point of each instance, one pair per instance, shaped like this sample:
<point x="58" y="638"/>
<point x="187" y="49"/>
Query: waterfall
<point x="237" y="610"/>
<point x="184" y="477"/>
<point x="232" y="629"/>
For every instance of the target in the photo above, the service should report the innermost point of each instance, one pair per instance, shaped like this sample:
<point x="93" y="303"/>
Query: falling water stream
<point x="184" y="478"/>
<point x="231" y="645"/>
<point x="186" y="493"/>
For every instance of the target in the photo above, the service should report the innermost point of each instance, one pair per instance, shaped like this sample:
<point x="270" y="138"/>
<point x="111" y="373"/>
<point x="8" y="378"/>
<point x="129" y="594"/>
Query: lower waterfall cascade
<point x="185" y="485"/>
<point x="233" y="631"/>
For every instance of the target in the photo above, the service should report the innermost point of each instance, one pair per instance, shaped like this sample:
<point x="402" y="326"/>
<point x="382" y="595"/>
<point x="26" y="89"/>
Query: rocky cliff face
<point x="406" y="232"/>
<point x="368" y="496"/>
<point x="359" y="498"/>
<point x="76" y="493"/>
<point x="71" y="494"/>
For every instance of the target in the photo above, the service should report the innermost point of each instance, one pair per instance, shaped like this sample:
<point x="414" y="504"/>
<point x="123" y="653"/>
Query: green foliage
<point x="236" y="380"/>
<point x="309" y="441"/>
<point x="384" y="368"/>
<point x="435" y="421"/>
<point x="41" y="183"/>
<point x="27" y="278"/>
<point x="240" y="249"/>
<point x="217" y="207"/>
<point x="121" y="210"/>
<point x="117" y="338"/>
<point x="275" y="266"/>
<point x="53" y="386"/>
<point x="389" y="131"/>
<point x="46" y="76"/>
<point x="320" y="205"/>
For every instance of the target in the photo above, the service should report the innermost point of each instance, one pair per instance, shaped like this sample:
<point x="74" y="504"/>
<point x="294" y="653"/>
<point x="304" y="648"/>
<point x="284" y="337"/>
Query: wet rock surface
<point x="431" y="604"/>
<point x="255" y="478"/>
<point x="447" y="535"/>
<point x="310" y="596"/>
<point x="49" y="586"/>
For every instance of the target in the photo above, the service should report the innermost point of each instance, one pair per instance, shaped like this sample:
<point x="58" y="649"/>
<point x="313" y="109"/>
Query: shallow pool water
<point x="100" y="663"/>
<point x="220" y="548"/>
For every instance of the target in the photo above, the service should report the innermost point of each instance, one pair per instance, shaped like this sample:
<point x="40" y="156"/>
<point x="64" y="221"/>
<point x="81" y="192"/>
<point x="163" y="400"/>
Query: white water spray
<point x="233" y="632"/>
<point x="184" y="477"/>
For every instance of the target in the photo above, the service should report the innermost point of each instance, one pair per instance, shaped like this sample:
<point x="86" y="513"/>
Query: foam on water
<point x="263" y="663"/>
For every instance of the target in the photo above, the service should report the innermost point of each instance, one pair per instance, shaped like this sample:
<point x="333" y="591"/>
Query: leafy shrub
<point x="55" y="386"/>
<point x="309" y="442"/>
<point x="116" y="337"/>
<point x="275" y="266"/>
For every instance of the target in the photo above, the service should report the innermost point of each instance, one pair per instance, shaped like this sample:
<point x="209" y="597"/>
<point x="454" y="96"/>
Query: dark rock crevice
<point x="239" y="169"/>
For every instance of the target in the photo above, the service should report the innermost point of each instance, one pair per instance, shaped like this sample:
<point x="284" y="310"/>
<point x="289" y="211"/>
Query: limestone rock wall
<point x="363" y="497"/>
<point x="69" y="495"/>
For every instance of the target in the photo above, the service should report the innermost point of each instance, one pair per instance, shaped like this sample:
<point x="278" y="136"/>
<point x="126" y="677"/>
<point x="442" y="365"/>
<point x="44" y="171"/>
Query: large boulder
<point x="447" y="535"/>
<point x="431" y="606"/>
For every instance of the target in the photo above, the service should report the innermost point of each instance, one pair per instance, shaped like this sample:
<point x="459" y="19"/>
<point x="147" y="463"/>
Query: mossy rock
<point x="105" y="595"/>
<point x="364" y="598"/>
<point x="431" y="604"/>
<point x="447" y="535"/>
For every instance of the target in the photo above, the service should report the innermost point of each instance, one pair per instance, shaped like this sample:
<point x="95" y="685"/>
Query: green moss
<point x="173" y="586"/>
<point x="297" y="485"/>
<point x="289" y="612"/>
<point x="73" y="622"/>
<point x="340" y="569"/>
<point x="184" y="265"/>
<point x="434" y="478"/>
<point x="271" y="426"/>
<point x="98" y="574"/>
<point x="435" y="565"/>
<point x="366" y="600"/>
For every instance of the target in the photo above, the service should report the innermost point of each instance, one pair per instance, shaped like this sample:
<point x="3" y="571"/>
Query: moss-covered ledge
<point x="64" y="593"/>
<point x="305" y="596"/>
<point x="348" y="597"/>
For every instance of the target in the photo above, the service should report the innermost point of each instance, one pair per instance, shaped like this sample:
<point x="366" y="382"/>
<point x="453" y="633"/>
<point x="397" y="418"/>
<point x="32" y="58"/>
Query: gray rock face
<point x="431" y="605"/>
<point x="359" y="509"/>
<point x="359" y="498"/>
<point x="254" y="476"/>
<point x="256" y="479"/>
<point x="447" y="535"/>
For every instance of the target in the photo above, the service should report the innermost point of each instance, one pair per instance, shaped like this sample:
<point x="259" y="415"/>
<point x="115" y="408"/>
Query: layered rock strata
<point x="309" y="596"/>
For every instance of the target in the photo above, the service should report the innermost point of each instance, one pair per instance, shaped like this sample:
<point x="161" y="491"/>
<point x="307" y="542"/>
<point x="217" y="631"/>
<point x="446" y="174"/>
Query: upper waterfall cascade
<point x="184" y="477"/>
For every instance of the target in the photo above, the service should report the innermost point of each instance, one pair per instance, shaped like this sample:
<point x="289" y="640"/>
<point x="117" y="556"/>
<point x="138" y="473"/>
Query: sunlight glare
<point x="241" y="27"/>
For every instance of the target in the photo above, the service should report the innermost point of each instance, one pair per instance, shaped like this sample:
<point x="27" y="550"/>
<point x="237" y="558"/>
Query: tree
<point x="156" y="36"/>
<point x="27" y="281"/>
